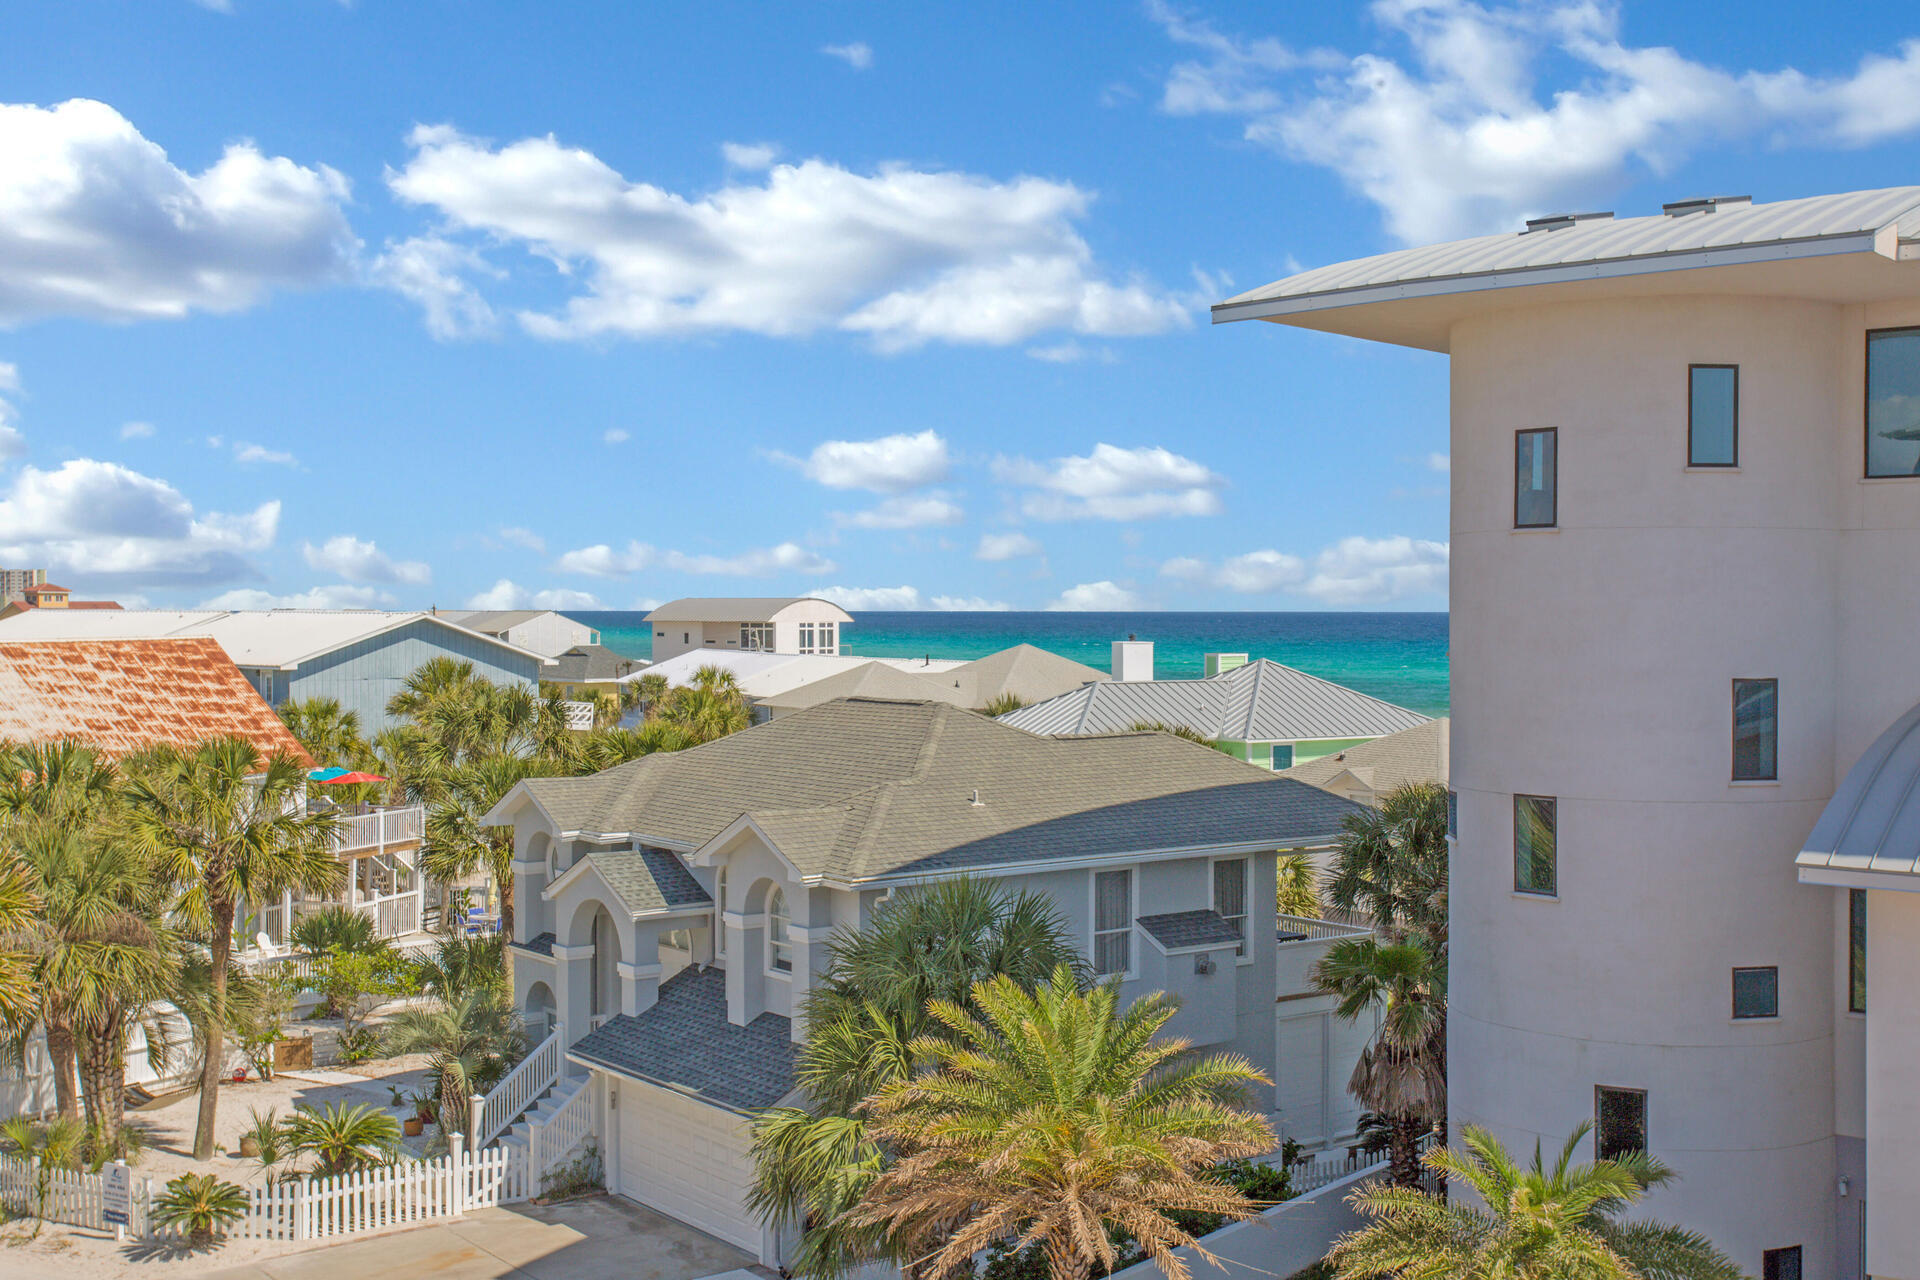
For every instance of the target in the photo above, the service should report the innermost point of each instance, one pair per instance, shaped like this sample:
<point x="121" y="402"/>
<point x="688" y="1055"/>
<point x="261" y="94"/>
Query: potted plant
<point x="423" y="1112"/>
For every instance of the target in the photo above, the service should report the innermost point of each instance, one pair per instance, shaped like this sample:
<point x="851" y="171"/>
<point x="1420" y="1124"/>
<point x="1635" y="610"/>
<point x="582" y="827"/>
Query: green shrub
<point x="334" y="930"/>
<point x="343" y="1138"/>
<point x="200" y="1205"/>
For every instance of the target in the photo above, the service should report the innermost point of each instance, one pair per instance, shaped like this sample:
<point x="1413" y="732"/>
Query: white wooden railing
<point x="552" y="1141"/>
<point x="376" y="830"/>
<point x="394" y="915"/>
<point x="493" y="1111"/>
<point x="1318" y="930"/>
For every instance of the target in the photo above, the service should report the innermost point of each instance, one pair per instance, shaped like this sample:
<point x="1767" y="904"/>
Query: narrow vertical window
<point x="1230" y="896"/>
<point x="1713" y="415"/>
<point x="1619" y="1122"/>
<point x="1112" y="922"/>
<point x="779" y="933"/>
<point x="806" y="637"/>
<point x="720" y="912"/>
<point x="1756" y="730"/>
<point x="1856" y="951"/>
<point x="826" y="637"/>
<point x="1536" y="479"/>
<point x="1536" y="863"/>
<point x="1283" y="755"/>
<point x="1780" y="1264"/>
<point x="1756" y="992"/>
<point x="1893" y="402"/>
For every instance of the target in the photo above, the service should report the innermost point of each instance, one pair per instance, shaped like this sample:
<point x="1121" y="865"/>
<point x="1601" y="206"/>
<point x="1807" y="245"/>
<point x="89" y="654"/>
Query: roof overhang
<point x="1868" y="836"/>
<point x="710" y="852"/>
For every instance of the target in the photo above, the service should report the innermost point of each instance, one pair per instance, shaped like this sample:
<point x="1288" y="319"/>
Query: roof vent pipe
<point x="1704" y="204"/>
<point x="977" y="802"/>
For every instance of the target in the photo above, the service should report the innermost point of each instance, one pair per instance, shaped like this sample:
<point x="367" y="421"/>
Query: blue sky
<point x="598" y="305"/>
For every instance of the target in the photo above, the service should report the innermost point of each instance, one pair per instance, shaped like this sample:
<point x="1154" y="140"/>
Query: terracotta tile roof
<point x="123" y="695"/>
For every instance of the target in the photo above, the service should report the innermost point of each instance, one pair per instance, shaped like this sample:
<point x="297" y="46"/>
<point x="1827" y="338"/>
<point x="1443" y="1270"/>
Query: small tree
<point x="343" y="1138"/>
<point x="355" y="983"/>
<point x="200" y="1205"/>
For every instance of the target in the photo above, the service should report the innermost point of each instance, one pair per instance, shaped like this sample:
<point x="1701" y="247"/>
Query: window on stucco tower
<point x="779" y="933"/>
<point x="1230" y="896"/>
<point x="1856" y="951"/>
<point x="1756" y="730"/>
<point x="1536" y="479"/>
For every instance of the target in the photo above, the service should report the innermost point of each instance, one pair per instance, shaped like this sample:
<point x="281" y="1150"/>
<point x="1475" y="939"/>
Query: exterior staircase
<point x="548" y="1132"/>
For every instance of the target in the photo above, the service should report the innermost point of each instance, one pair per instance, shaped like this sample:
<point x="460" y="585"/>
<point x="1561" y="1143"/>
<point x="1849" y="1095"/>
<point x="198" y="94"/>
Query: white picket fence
<point x="70" y="1195"/>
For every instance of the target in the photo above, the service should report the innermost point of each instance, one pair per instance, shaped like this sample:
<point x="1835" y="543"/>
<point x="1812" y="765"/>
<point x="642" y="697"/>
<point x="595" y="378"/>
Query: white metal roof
<point x="277" y="638"/>
<point x="1871" y="827"/>
<point x="735" y="608"/>
<point x="1582" y="250"/>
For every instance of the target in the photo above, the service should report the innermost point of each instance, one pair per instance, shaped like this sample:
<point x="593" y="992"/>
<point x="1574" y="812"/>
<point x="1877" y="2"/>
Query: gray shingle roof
<point x="541" y="944"/>
<point x="686" y="1043"/>
<point x="1262" y="701"/>
<point x="861" y="789"/>
<point x="650" y="879"/>
<point x="586" y="662"/>
<point x="1181" y="930"/>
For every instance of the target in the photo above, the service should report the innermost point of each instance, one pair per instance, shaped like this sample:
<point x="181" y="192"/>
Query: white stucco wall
<point x="1892" y="1100"/>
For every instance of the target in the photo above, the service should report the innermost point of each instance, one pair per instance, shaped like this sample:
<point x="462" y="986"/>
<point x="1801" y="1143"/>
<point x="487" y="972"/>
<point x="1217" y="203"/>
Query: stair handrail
<point x="491" y="1112"/>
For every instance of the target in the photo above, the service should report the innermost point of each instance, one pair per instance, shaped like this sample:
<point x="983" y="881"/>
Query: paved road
<point x="603" y="1238"/>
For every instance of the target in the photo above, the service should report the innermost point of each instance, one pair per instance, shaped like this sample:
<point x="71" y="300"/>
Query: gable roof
<point x="277" y="638"/>
<point x="735" y="608"/>
<point x="125" y="695"/>
<point x="591" y="662"/>
<point x="1770" y="243"/>
<point x="1262" y="701"/>
<point x="857" y="790"/>
<point x="647" y="880"/>
<point x="1419" y="754"/>
<point x="492" y="622"/>
<point x="685" y="1043"/>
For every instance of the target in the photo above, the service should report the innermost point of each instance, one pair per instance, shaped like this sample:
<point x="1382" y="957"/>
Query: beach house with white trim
<point x="784" y="624"/>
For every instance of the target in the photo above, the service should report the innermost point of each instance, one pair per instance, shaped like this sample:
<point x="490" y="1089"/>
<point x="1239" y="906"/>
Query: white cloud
<point x="749" y="155"/>
<point x="331" y="597"/>
<point x="356" y="561"/>
<point x="1095" y="597"/>
<point x="1071" y="352"/>
<point x="906" y="511"/>
<point x="430" y="271"/>
<point x="110" y="525"/>
<point x="615" y="435"/>
<point x="1441" y="462"/>
<point x="1005" y="546"/>
<point x="96" y="222"/>
<point x="257" y="453"/>
<point x="12" y="443"/>
<point x="136" y="431"/>
<point x="1471" y="129"/>
<point x="890" y="464"/>
<point x="1352" y="571"/>
<point x="900" y="255"/>
<point x="604" y="561"/>
<point x="508" y="594"/>
<point x="1112" y="483"/>
<point x="514" y="535"/>
<point x="858" y="55"/>
<point x="904" y="599"/>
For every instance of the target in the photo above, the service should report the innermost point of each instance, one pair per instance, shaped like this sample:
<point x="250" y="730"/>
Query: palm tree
<point x="712" y="707"/>
<point x="458" y="843"/>
<point x="1539" y="1223"/>
<point x="605" y="748"/>
<point x="330" y="735"/>
<point x="931" y="943"/>
<point x="1177" y="730"/>
<point x="334" y="930"/>
<point x="1390" y="865"/>
<point x="462" y="965"/>
<point x="1403" y="1073"/>
<point x="227" y="827"/>
<point x="343" y="1138"/>
<point x="647" y="692"/>
<point x="1296" y="886"/>
<point x="471" y="1041"/>
<point x="1056" y="1117"/>
<point x="1003" y="704"/>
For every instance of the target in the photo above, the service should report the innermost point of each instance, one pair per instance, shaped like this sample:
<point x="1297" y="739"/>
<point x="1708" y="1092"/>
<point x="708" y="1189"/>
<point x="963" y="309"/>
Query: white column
<point x="573" y="989"/>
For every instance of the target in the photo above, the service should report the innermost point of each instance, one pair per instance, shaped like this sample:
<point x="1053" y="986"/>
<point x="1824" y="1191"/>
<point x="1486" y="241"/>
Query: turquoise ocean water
<point x="1401" y="657"/>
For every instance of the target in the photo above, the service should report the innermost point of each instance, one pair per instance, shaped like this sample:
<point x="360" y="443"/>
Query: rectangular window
<point x="1756" y="730"/>
<point x="1756" y="992"/>
<point x="1112" y="922"/>
<point x="1283" y="755"/>
<point x="756" y="635"/>
<point x="826" y="637"/>
<point x="1536" y="478"/>
<point x="1619" y="1122"/>
<point x="1713" y="415"/>
<point x="806" y="637"/>
<point x="1453" y="814"/>
<point x="1536" y="865"/>
<point x="1230" y="896"/>
<point x="1780" y="1264"/>
<point x="1856" y="951"/>
<point x="1893" y="402"/>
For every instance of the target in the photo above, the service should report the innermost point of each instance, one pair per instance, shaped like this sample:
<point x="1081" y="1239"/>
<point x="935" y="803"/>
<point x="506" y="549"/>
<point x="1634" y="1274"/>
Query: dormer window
<point x="779" y="934"/>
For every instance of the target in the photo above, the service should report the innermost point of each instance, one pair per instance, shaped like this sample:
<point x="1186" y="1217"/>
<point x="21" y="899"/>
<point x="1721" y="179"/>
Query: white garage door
<point x="690" y="1161"/>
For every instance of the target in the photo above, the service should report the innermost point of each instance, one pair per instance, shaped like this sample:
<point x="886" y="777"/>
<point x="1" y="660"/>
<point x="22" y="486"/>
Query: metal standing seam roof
<point x="1262" y="701"/>
<point x="735" y="608"/>
<point x="859" y="790"/>
<point x="685" y="1043"/>
<point x="125" y="695"/>
<point x="1596" y="245"/>
<point x="1872" y="824"/>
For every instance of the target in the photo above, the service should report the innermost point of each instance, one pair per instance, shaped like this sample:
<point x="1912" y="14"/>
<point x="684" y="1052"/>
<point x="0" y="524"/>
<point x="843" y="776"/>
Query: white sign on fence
<point x="116" y="1194"/>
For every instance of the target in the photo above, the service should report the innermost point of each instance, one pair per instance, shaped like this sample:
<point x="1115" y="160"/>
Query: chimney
<point x="1132" y="659"/>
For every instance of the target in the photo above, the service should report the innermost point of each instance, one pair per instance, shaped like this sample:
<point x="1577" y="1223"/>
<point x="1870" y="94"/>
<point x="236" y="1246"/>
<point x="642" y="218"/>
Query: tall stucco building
<point x="1685" y="511"/>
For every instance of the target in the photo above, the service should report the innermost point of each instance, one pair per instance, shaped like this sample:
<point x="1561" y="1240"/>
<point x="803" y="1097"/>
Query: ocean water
<point x="1401" y="657"/>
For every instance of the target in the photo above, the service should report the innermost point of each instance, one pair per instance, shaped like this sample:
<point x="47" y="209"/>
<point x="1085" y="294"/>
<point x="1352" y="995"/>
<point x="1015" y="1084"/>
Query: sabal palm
<point x="1390" y="865"/>
<point x="646" y="692"/>
<point x="460" y="966"/>
<point x="1296" y="886"/>
<point x="1539" y="1222"/>
<point x="930" y="943"/>
<point x="458" y="843"/>
<point x="1402" y="1073"/>
<point x="605" y="748"/>
<point x="330" y="734"/>
<point x="227" y="828"/>
<point x="711" y="707"/>
<point x="1053" y="1117"/>
<point x="470" y="1041"/>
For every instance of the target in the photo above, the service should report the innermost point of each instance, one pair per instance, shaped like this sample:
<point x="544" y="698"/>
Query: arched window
<point x="779" y="938"/>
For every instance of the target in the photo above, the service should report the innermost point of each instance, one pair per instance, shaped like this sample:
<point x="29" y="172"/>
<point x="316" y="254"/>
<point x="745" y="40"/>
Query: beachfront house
<point x="540" y="631"/>
<point x="359" y="657"/>
<point x="1369" y="772"/>
<point x="1262" y="712"/>
<point x="587" y="669"/>
<point x="673" y="913"/>
<point x="1685" y="509"/>
<point x="748" y="625"/>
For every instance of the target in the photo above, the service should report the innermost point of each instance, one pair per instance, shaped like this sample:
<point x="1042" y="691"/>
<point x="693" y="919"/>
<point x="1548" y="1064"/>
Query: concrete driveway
<point x="602" y="1238"/>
